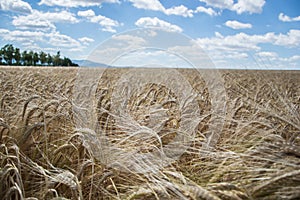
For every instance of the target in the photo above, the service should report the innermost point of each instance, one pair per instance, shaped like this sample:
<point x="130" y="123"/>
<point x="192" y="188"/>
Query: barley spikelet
<point x="26" y="104"/>
<point x="268" y="187"/>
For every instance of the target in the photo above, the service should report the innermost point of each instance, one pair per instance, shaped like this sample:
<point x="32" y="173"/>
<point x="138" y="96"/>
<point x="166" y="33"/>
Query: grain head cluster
<point x="235" y="138"/>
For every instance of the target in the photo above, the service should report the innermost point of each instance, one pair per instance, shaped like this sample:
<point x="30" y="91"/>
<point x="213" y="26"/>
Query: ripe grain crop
<point x="45" y="153"/>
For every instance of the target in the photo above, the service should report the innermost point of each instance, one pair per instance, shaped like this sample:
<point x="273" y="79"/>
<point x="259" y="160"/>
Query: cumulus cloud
<point x="222" y="4"/>
<point x="238" y="42"/>
<point x="237" y="25"/>
<point x="4" y="31"/>
<point x="148" y="5"/>
<point x="62" y="40"/>
<point x="86" y="40"/>
<point x="53" y="40"/>
<point x="15" y="6"/>
<point x="87" y="13"/>
<point x="291" y="39"/>
<point x="179" y="10"/>
<point x="43" y="20"/>
<point x="250" y="6"/>
<point x="245" y="42"/>
<point x="35" y="23"/>
<point x="267" y="54"/>
<point x="108" y="24"/>
<point x="77" y="3"/>
<point x="22" y="36"/>
<point x="241" y="6"/>
<point x="294" y="58"/>
<point x="208" y="11"/>
<point x="281" y="62"/>
<point x="285" y="18"/>
<point x="219" y="35"/>
<point x="222" y="49"/>
<point x="148" y="22"/>
<point x="155" y="5"/>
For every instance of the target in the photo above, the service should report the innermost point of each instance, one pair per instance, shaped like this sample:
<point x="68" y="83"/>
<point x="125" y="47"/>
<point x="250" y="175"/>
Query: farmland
<point x="231" y="137"/>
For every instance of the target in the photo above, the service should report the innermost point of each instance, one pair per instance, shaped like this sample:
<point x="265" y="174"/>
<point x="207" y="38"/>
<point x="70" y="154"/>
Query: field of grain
<point x="245" y="144"/>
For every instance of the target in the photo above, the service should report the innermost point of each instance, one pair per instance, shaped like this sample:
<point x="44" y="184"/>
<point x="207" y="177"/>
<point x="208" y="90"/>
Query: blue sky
<point x="233" y="33"/>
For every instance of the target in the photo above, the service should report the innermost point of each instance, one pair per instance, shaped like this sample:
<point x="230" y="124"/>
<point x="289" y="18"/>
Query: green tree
<point x="43" y="58"/>
<point x="9" y="55"/>
<point x="17" y="56"/>
<point x="56" y="59"/>
<point x="49" y="60"/>
<point x="66" y="62"/>
<point x="8" y="52"/>
<point x="23" y="58"/>
<point x="35" y="58"/>
<point x="1" y="56"/>
<point x="29" y="58"/>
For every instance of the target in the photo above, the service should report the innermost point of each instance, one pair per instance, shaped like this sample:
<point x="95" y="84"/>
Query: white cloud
<point x="107" y="23"/>
<point x="237" y="25"/>
<point x="290" y="59"/>
<point x="179" y="10"/>
<point x="236" y="55"/>
<point x="233" y="50"/>
<point x="53" y="40"/>
<point x="21" y="36"/>
<point x="267" y="54"/>
<point x="86" y="40"/>
<point x="273" y="60"/>
<point x="217" y="56"/>
<point x="76" y="3"/>
<point x="35" y="23"/>
<point x="43" y="21"/>
<point x="291" y="39"/>
<point x="87" y="13"/>
<point x="4" y="31"/>
<point x="285" y="18"/>
<point x="245" y="42"/>
<point x="63" y="16"/>
<point x="155" y="5"/>
<point x="219" y="35"/>
<point x="251" y="6"/>
<point x="15" y="6"/>
<point x="148" y="5"/>
<point x="222" y="4"/>
<point x="294" y="58"/>
<point x="238" y="42"/>
<point x="148" y="22"/>
<point x="241" y="6"/>
<point x="208" y="11"/>
<point x="60" y="40"/>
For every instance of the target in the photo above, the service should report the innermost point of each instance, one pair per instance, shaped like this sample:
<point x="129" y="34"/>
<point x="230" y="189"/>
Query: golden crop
<point x="45" y="154"/>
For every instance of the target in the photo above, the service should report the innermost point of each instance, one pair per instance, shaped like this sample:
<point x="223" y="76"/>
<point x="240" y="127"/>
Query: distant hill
<point x="88" y="63"/>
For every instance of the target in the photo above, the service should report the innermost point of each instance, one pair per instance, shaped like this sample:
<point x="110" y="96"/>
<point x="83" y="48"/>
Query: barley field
<point x="233" y="138"/>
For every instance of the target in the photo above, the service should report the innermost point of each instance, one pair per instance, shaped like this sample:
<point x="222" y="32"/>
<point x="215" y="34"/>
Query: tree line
<point x="9" y="55"/>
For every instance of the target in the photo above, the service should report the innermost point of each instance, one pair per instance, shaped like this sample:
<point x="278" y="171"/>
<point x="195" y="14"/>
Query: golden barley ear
<point x="268" y="188"/>
<point x="26" y="104"/>
<point x="4" y="128"/>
